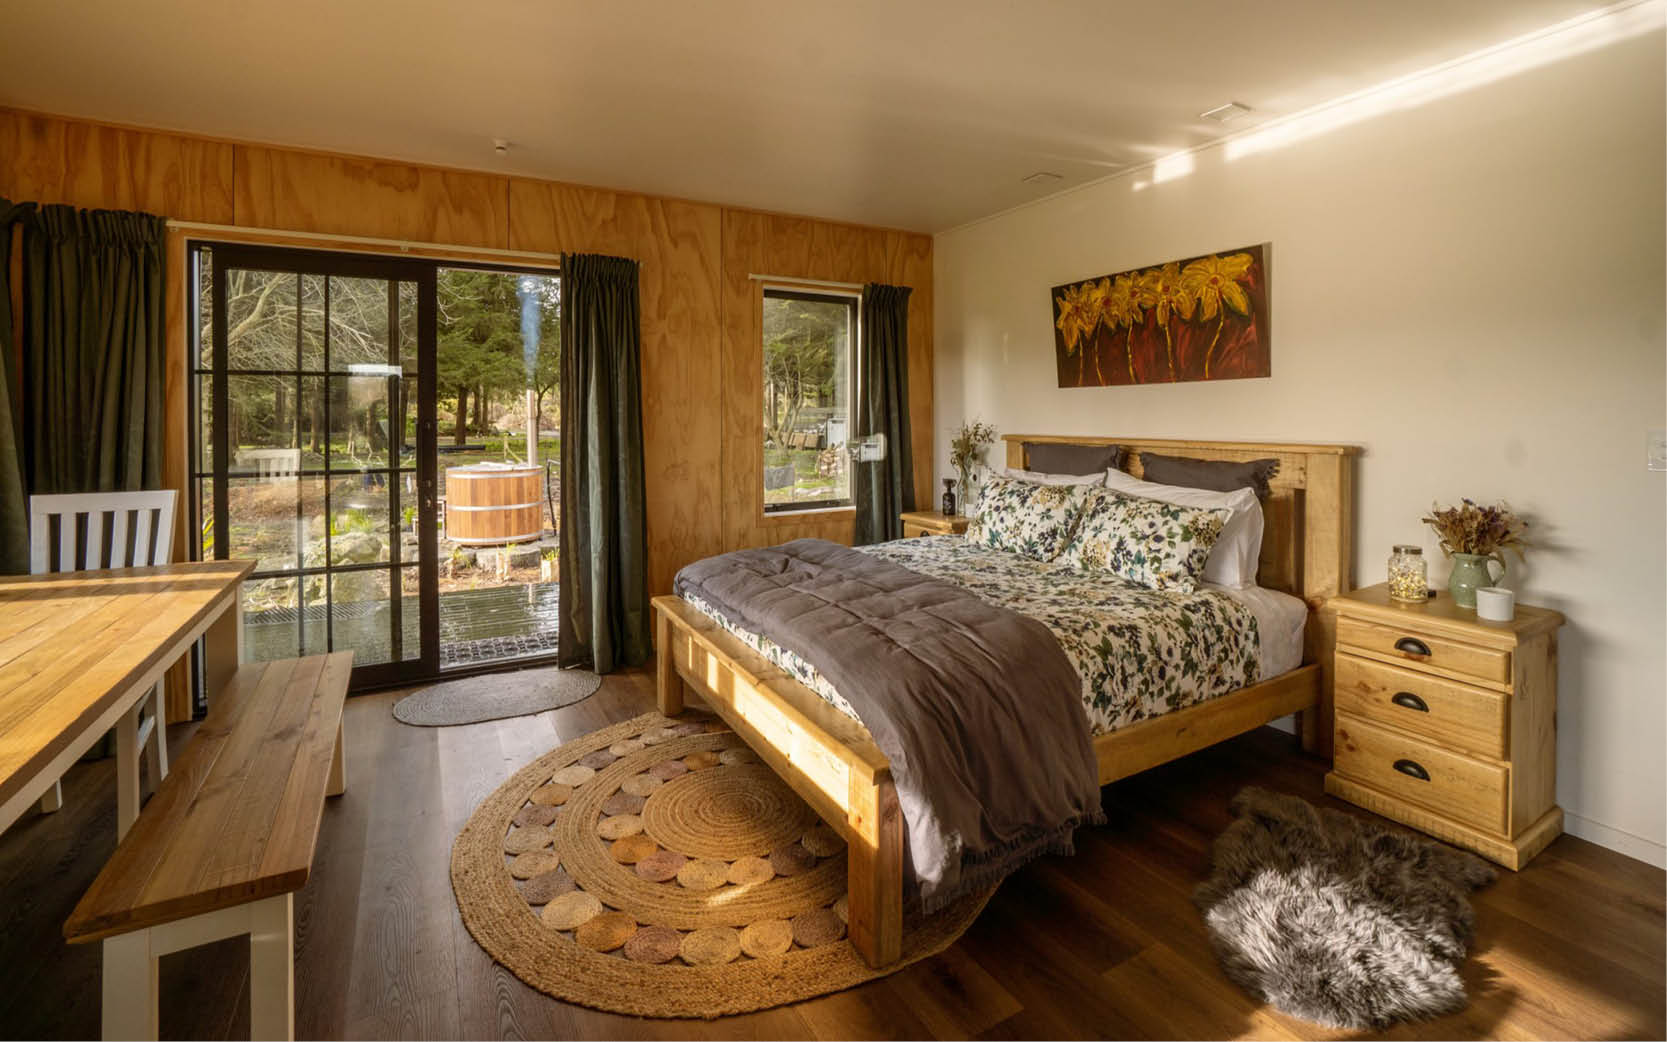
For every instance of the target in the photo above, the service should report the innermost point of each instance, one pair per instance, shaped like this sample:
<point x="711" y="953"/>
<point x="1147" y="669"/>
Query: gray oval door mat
<point x="495" y="696"/>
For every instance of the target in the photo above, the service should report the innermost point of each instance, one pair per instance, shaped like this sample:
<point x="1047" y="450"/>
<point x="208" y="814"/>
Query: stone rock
<point x="778" y="477"/>
<point x="523" y="556"/>
<point x="358" y="548"/>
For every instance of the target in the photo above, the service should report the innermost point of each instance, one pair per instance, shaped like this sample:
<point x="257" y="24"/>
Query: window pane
<point x="271" y="619"/>
<point x="359" y="530"/>
<point x="358" y="322"/>
<point x="260" y="319"/>
<point x="807" y="388"/>
<point x="265" y="522"/>
<point x="205" y="308"/>
<point x="359" y="427"/>
<point x="260" y="417"/>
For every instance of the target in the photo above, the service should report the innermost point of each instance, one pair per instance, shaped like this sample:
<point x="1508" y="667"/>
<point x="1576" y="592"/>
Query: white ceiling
<point x="917" y="115"/>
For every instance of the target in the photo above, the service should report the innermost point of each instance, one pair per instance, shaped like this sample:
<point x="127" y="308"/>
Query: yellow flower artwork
<point x="1200" y="318"/>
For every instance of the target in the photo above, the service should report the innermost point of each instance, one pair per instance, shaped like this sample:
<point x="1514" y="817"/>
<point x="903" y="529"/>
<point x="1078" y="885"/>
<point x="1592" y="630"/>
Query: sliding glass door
<point x="315" y="453"/>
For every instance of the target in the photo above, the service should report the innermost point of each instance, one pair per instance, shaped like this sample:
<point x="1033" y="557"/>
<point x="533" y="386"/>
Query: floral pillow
<point x="1161" y="546"/>
<point x="1025" y="518"/>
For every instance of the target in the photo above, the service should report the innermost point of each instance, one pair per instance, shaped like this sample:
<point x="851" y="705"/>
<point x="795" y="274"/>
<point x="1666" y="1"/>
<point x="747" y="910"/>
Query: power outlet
<point x="1657" y="450"/>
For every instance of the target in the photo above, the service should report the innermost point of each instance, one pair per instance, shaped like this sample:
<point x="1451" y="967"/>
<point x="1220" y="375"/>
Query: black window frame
<point x="852" y="302"/>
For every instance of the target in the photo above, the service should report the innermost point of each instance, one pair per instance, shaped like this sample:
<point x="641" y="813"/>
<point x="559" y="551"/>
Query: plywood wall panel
<point x="702" y="363"/>
<point x="338" y="195"/>
<point x="802" y="248"/>
<point x="50" y="160"/>
<point x="677" y="245"/>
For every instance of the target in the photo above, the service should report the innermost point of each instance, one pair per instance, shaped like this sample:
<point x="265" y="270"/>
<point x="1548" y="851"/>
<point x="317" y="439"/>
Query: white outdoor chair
<point x="272" y="466"/>
<point x="123" y="530"/>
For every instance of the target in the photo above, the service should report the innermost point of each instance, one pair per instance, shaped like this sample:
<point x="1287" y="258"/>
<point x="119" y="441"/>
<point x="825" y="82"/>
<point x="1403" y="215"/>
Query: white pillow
<point x="1036" y="477"/>
<point x="1232" y="561"/>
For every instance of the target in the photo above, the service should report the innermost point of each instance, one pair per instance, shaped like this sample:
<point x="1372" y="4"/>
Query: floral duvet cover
<point x="1139" y="653"/>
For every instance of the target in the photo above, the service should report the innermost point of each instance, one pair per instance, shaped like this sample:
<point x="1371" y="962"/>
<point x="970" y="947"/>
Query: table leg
<point x="223" y="647"/>
<point x="127" y="771"/>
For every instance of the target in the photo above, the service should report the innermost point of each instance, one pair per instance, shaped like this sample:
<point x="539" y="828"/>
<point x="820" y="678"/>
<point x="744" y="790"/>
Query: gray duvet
<point x="976" y="706"/>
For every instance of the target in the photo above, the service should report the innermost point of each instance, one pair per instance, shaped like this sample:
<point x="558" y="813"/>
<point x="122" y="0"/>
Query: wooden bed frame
<point x="831" y="761"/>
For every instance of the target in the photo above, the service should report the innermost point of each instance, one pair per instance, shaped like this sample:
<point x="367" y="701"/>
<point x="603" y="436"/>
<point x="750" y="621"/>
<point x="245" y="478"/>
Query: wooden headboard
<point x="1308" y="534"/>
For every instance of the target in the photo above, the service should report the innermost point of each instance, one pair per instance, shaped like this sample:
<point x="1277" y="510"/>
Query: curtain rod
<point x="402" y="245"/>
<point x="806" y="282"/>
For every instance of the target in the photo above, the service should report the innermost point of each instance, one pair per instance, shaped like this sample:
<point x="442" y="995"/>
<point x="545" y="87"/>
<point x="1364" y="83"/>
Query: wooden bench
<point x="224" y="844"/>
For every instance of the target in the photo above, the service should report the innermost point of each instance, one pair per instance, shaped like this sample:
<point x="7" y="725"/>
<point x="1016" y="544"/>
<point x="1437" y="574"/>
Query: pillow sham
<point x="1036" y="477"/>
<point x="1025" y="518"/>
<point x="1215" y="474"/>
<point x="1233" y="560"/>
<point x="1158" y="545"/>
<point x="1048" y="457"/>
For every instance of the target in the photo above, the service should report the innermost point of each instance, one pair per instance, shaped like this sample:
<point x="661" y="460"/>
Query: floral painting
<point x="1202" y="318"/>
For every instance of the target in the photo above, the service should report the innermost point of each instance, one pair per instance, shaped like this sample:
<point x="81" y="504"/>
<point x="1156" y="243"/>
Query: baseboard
<point x="1647" y="851"/>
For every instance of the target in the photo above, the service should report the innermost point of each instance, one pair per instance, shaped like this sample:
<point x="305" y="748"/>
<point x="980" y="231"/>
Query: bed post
<point x="1327" y="560"/>
<point x="667" y="684"/>
<point x="874" y="869"/>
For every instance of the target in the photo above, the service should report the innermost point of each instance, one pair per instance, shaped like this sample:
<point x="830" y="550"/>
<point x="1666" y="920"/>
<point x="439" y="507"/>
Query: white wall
<point x="1472" y="288"/>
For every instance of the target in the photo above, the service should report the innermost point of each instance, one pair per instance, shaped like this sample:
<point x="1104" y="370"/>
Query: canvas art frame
<point x="1198" y="318"/>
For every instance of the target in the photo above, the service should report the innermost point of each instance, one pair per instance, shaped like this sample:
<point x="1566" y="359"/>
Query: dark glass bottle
<point x="948" y="497"/>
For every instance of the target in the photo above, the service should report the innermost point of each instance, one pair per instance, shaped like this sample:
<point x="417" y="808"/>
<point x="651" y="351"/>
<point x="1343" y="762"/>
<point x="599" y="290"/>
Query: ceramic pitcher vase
<point x="1471" y="571"/>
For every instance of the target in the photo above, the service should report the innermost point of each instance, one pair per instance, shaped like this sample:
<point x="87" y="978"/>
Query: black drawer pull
<point x="1412" y="646"/>
<point x="1409" y="701"/>
<point x="1412" y="769"/>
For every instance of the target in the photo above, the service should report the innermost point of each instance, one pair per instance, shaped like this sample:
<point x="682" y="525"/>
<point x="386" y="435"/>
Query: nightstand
<point x="931" y="522"/>
<point x="1448" y="723"/>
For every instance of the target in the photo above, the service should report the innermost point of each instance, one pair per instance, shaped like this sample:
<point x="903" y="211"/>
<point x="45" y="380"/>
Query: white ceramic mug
<point x="1495" y="603"/>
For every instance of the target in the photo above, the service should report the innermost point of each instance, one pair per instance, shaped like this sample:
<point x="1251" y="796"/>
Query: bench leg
<point x="127" y="772"/>
<point x="272" y="968"/>
<point x="156" y="742"/>
<point x="874" y="873"/>
<point x="53" y="799"/>
<point x="338" y="763"/>
<point x="129" y="993"/>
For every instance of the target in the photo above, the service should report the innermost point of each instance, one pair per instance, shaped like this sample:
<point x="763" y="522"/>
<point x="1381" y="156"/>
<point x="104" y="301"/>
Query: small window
<point x="808" y="382"/>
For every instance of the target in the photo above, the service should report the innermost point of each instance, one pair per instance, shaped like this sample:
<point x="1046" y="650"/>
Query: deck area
<point x="492" y="624"/>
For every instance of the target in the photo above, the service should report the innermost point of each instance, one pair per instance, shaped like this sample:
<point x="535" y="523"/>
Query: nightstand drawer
<point x="1457" y="787"/>
<point x="911" y="530"/>
<point x="1445" y="711"/>
<point x="1417" y="648"/>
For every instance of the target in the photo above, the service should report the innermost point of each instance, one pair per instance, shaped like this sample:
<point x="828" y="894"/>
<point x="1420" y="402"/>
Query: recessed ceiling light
<point x="1225" y="113"/>
<point x="1040" y="177"/>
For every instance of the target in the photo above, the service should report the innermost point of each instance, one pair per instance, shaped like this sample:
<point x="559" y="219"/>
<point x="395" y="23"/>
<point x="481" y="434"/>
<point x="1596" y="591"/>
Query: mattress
<point x="1138" y="653"/>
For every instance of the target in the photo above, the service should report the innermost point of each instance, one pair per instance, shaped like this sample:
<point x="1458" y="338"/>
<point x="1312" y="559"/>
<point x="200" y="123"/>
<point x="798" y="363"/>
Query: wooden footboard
<point x="828" y="758"/>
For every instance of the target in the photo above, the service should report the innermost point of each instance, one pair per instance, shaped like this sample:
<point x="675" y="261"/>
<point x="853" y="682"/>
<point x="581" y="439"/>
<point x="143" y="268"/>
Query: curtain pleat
<point x="604" y="548"/>
<point x="93" y="350"/>
<point x="885" y="489"/>
<point x="14" y="507"/>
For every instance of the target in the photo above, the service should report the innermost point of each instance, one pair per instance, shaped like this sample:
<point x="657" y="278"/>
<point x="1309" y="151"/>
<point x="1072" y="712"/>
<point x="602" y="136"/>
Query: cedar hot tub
<point x="492" y="503"/>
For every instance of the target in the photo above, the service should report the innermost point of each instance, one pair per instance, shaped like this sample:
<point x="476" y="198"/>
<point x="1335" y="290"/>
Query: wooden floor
<point x="1103" y="944"/>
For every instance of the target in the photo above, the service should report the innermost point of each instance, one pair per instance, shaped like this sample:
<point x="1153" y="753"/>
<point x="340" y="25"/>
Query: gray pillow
<point x="1213" y="474"/>
<point x="1053" y="458"/>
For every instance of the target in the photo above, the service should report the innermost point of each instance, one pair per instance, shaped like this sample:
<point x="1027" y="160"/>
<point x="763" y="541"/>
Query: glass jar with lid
<point x="1408" y="574"/>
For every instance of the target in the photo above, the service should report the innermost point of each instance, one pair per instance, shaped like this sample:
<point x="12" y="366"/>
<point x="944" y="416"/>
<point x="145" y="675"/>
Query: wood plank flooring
<point x="1106" y="943"/>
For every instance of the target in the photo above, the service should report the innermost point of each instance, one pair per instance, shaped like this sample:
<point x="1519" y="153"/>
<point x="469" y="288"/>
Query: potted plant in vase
<point x="1473" y="536"/>
<point x="966" y="452"/>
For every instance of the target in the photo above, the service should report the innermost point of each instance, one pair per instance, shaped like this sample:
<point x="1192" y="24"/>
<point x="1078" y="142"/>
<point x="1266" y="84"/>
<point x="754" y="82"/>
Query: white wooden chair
<point x="121" y="530"/>
<point x="272" y="466"/>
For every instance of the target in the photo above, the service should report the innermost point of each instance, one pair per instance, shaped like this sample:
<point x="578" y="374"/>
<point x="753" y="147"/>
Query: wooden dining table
<point x="79" y="649"/>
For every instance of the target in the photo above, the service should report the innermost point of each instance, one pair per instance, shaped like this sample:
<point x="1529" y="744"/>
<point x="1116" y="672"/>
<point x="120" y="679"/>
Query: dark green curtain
<point x="14" y="508"/>
<point x="93" y="349"/>
<point x="604" y="546"/>
<point x="885" y="489"/>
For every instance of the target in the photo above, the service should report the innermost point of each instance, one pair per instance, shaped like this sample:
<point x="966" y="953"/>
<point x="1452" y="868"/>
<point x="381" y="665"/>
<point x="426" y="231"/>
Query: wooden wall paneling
<point x="176" y="449"/>
<point x="339" y="195"/>
<point x="677" y="244"/>
<point x="44" y="159"/>
<point x="797" y="247"/>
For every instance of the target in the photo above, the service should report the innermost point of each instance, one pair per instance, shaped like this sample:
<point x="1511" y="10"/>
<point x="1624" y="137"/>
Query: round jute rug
<point x="656" y="868"/>
<point x="496" y="696"/>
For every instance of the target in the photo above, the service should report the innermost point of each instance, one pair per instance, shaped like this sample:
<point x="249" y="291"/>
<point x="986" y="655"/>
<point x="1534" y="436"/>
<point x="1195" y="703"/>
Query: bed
<point x="830" y="759"/>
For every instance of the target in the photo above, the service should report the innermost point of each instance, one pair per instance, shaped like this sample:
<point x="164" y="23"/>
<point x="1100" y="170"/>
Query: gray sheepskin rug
<point x="1337" y="920"/>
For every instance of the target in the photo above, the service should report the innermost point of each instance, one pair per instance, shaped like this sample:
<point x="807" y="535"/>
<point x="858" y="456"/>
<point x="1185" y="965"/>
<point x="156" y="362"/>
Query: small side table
<point x="1447" y="722"/>
<point x="932" y="522"/>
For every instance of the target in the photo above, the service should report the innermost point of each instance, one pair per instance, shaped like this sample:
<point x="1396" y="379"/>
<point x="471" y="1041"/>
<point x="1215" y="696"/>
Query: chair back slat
<point x="148" y="516"/>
